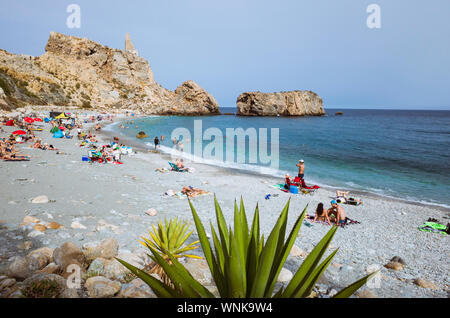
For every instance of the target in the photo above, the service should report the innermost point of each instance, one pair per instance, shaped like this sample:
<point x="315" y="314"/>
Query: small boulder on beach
<point x="43" y="199"/>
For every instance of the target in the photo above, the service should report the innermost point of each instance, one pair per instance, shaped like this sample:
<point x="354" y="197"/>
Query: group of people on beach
<point x="335" y="214"/>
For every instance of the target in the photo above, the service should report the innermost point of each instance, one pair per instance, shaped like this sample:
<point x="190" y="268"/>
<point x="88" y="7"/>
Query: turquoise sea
<point x="397" y="153"/>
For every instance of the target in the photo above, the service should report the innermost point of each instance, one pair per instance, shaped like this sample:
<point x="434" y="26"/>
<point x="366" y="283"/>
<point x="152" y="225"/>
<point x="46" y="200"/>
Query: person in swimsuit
<point x="301" y="168"/>
<point x="321" y="214"/>
<point x="338" y="214"/>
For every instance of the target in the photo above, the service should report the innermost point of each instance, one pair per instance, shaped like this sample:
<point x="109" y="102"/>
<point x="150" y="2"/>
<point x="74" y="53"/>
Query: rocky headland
<point x="294" y="103"/>
<point x="80" y="72"/>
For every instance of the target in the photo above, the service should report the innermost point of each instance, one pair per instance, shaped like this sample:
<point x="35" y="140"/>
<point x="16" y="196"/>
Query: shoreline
<point x="109" y="133"/>
<point x="94" y="202"/>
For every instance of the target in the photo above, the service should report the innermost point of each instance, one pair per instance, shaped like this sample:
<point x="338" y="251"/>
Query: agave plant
<point x="243" y="264"/>
<point x="168" y="239"/>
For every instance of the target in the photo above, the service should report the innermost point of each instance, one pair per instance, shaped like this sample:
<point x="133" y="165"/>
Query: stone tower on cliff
<point x="129" y="47"/>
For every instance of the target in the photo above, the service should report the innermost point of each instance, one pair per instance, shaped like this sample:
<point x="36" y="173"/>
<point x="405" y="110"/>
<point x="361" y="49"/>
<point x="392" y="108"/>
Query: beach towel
<point x="347" y="221"/>
<point x="281" y="187"/>
<point x="304" y="186"/>
<point x="58" y="134"/>
<point x="433" y="227"/>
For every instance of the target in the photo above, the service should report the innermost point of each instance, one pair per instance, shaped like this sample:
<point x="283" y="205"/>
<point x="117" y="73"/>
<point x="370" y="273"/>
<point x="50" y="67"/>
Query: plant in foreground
<point x="168" y="239"/>
<point x="46" y="288"/>
<point x="243" y="264"/>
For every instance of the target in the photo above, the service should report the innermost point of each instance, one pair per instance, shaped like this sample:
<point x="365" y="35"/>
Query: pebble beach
<point x="96" y="202"/>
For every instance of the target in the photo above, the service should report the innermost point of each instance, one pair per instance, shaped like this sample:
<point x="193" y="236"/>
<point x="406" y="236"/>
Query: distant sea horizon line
<point x="351" y="108"/>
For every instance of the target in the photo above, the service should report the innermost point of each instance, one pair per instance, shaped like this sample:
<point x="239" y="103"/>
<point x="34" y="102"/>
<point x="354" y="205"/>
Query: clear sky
<point x="233" y="46"/>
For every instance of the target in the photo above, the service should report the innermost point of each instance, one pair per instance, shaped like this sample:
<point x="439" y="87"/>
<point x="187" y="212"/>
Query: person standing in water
<point x="156" y="142"/>
<point x="301" y="168"/>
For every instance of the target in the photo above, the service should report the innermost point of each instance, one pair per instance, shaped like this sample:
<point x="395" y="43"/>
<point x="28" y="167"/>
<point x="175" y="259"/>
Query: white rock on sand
<point x="101" y="287"/>
<point x="151" y="212"/>
<point x="40" y="200"/>
<point x="78" y="225"/>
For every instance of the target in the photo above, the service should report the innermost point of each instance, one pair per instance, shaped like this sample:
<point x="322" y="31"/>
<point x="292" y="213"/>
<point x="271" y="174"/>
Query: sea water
<point x="397" y="153"/>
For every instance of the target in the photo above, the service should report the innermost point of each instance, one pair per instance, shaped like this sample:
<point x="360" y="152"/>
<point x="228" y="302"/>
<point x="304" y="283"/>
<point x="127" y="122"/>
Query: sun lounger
<point x="174" y="167"/>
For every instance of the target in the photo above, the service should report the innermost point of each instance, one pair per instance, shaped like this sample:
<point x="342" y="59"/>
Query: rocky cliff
<point x="294" y="103"/>
<point x="80" y="72"/>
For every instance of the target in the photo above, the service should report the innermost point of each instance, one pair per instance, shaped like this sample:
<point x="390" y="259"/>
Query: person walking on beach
<point x="301" y="168"/>
<point x="156" y="142"/>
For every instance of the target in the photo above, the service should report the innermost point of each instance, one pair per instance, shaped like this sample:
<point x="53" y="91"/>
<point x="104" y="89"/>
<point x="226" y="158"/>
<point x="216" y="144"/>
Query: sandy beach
<point x="110" y="201"/>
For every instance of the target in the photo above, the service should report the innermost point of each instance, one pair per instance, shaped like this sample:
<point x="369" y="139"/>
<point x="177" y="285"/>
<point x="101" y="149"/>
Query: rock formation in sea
<point x="294" y="103"/>
<point x="80" y="72"/>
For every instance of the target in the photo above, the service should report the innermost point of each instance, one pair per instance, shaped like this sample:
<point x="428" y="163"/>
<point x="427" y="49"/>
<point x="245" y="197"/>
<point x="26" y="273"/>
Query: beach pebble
<point x="332" y="292"/>
<point x="398" y="260"/>
<point x="40" y="200"/>
<point x="51" y="268"/>
<point x="151" y="212"/>
<point x="35" y="233"/>
<point x="7" y="283"/>
<point x="47" y="252"/>
<point x="54" y="225"/>
<point x="102" y="225"/>
<point x="199" y="270"/>
<point x="30" y="219"/>
<point x="18" y="268"/>
<point x="298" y="252"/>
<point x="425" y="284"/>
<point x="136" y="289"/>
<point x="396" y="266"/>
<point x="25" y="245"/>
<point x="64" y="235"/>
<point x="68" y="254"/>
<point x="102" y="287"/>
<point x="285" y="275"/>
<point x="40" y="228"/>
<point x="366" y="293"/>
<point x="36" y="261"/>
<point x="107" y="249"/>
<point x="48" y="215"/>
<point x="77" y="225"/>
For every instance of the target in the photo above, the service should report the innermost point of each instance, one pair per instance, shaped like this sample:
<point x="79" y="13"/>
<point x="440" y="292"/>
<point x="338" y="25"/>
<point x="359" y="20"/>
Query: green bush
<point x="46" y="288"/>
<point x="243" y="264"/>
<point x="4" y="85"/>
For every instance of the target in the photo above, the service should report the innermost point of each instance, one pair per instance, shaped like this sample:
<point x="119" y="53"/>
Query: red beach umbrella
<point x="10" y="123"/>
<point x="38" y="119"/>
<point x="28" y="120"/>
<point x="19" y="132"/>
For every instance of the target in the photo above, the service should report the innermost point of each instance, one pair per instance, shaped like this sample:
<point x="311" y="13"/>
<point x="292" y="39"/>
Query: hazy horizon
<point x="256" y="45"/>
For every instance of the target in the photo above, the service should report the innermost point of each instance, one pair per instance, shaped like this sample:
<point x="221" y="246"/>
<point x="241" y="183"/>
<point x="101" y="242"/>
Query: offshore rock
<point x="294" y="103"/>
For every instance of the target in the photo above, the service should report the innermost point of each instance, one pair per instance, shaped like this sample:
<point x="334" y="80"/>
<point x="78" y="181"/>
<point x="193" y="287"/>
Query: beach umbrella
<point x="28" y="120"/>
<point x="38" y="119"/>
<point x="10" y="123"/>
<point x="19" y="132"/>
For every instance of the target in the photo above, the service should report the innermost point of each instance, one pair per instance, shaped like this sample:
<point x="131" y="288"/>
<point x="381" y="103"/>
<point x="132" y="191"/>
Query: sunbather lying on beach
<point x="180" y="165"/>
<point x="193" y="192"/>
